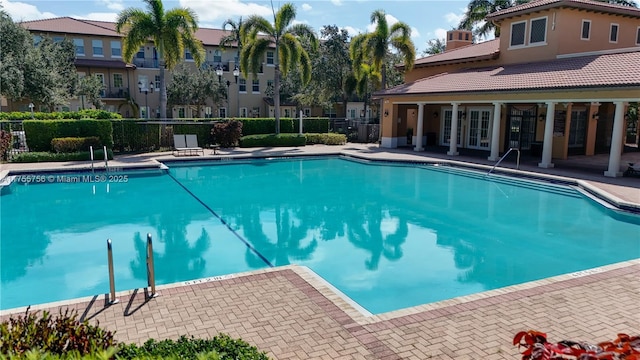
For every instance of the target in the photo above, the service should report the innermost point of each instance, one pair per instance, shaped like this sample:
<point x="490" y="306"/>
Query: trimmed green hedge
<point x="326" y="139"/>
<point x="254" y="126"/>
<point x="134" y="136"/>
<point x="273" y="140"/>
<point x="39" y="133"/>
<point x="76" y="115"/>
<point x="189" y="348"/>
<point x="31" y="157"/>
<point x="74" y="144"/>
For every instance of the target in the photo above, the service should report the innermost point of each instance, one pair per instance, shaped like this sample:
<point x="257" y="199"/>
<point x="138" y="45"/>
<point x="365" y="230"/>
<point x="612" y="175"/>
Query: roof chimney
<point x="458" y="38"/>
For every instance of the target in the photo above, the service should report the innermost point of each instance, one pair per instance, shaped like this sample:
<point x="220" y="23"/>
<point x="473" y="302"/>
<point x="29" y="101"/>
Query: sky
<point x="428" y="19"/>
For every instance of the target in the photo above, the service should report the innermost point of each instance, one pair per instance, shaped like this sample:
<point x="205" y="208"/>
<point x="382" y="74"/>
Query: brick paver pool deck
<point x="292" y="314"/>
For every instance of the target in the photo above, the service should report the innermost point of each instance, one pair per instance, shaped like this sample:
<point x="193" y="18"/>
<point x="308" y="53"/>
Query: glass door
<point x="446" y="127"/>
<point x="478" y="132"/>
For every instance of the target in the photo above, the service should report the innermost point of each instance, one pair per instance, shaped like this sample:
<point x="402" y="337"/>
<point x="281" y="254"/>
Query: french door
<point x="478" y="128"/>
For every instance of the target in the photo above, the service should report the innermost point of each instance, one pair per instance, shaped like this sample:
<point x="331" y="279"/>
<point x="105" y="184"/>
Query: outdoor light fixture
<point x="542" y="117"/>
<point x="595" y="116"/>
<point x="146" y="96"/>
<point x="236" y="73"/>
<point x="386" y="113"/>
<point x="31" y="106"/>
<point x="435" y="114"/>
<point x="219" y="72"/>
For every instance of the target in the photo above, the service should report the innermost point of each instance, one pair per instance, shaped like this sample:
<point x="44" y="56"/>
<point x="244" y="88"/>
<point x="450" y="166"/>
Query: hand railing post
<point x="151" y="276"/>
<point x="91" y="152"/>
<point x="112" y="284"/>
<point x="106" y="157"/>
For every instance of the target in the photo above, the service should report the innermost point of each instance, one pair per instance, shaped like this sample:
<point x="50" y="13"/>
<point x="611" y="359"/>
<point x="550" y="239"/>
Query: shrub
<point x="31" y="157"/>
<point x="189" y="348"/>
<point x="533" y="345"/>
<point x="135" y="135"/>
<point x="59" y="115"/>
<point x="5" y="144"/>
<point x="314" y="125"/>
<point x="327" y="139"/>
<point x="273" y="140"/>
<point x="40" y="133"/>
<point x="227" y="133"/>
<point x="58" y="335"/>
<point x="74" y="144"/>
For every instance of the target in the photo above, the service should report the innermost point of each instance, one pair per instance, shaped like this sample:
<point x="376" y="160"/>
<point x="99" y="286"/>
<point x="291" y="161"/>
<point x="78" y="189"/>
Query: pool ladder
<point x="503" y="157"/>
<point x="106" y="158"/>
<point x="151" y="273"/>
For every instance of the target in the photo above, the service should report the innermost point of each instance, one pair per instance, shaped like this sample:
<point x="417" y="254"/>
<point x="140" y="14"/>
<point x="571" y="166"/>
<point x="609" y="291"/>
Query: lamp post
<point x="236" y="73"/>
<point x="146" y="96"/>
<point x="31" y="106"/>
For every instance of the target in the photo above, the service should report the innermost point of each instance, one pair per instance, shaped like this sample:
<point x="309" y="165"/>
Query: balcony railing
<point x="146" y="63"/>
<point x="114" y="93"/>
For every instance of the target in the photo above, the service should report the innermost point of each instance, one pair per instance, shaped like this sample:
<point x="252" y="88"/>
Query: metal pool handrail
<point x="151" y="275"/>
<point x="504" y="156"/>
<point x="112" y="284"/>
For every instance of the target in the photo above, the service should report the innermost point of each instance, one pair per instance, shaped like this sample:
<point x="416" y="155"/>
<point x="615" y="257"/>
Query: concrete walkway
<point x="292" y="314"/>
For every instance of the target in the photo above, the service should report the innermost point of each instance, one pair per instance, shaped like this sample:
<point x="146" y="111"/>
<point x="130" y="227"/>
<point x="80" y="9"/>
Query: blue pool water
<point x="387" y="236"/>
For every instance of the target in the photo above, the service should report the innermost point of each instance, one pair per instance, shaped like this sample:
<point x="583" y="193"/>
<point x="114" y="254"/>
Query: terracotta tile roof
<point x="481" y="51"/>
<point x="596" y="71"/>
<point x="537" y="5"/>
<point x="67" y="25"/>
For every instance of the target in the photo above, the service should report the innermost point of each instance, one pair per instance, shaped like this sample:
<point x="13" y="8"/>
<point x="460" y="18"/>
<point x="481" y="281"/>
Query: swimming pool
<point x="388" y="236"/>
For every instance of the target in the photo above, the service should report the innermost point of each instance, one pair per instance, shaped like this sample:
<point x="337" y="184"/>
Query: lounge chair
<point x="192" y="144"/>
<point x="179" y="144"/>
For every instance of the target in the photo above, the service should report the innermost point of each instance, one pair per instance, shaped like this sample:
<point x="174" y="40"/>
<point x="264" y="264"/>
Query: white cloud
<point x="414" y="32"/>
<point x="453" y="18"/>
<point x="20" y="11"/>
<point x="97" y="16"/>
<point x="306" y="7"/>
<point x="116" y="5"/>
<point x="352" y="31"/>
<point x="337" y="2"/>
<point x="224" y="10"/>
<point x="441" y="33"/>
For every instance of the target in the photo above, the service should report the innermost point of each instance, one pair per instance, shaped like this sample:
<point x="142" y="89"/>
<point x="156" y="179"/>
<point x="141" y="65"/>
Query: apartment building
<point x="556" y="83"/>
<point x="99" y="52"/>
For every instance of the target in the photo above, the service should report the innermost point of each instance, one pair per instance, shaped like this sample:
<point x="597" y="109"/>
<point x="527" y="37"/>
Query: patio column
<point x="547" y="145"/>
<point x="453" y="140"/>
<point x="616" y="141"/>
<point x="420" y="128"/>
<point x="495" y="133"/>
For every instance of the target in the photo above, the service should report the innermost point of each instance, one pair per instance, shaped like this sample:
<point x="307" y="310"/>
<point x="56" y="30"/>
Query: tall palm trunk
<point x="276" y="92"/>
<point x="163" y="92"/>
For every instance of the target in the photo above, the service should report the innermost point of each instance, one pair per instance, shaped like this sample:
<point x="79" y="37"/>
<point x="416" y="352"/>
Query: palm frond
<point x="284" y="17"/>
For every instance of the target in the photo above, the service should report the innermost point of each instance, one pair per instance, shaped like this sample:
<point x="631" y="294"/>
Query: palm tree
<point x="258" y="36"/>
<point x="172" y="32"/>
<point x="233" y="37"/>
<point x="477" y="11"/>
<point x="376" y="46"/>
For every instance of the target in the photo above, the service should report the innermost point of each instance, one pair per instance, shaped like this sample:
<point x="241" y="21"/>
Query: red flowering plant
<point x="533" y="345"/>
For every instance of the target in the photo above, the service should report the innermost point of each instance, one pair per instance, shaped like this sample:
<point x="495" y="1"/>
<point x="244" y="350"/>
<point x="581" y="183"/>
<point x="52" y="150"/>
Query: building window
<point x="156" y="80"/>
<point x="242" y="85"/>
<point x="79" y="44"/>
<point x="450" y="36"/>
<point x="255" y="112"/>
<point x="181" y="113"/>
<point x="187" y="55"/>
<point x="538" y="31"/>
<point x="222" y="112"/>
<point x="638" y="36"/>
<point x="140" y="53"/>
<point x="255" y="86"/>
<point x="307" y="112"/>
<point x="96" y="45"/>
<point x="116" y="49"/>
<point x="459" y="36"/>
<point x="270" y="57"/>
<point x="217" y="56"/>
<point x="101" y="77"/>
<point x="243" y="112"/>
<point x="517" y="33"/>
<point x="586" y="30"/>
<point x="36" y="40"/>
<point x="117" y="80"/>
<point x="613" y="33"/>
<point x="58" y="39"/>
<point x="466" y="36"/>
